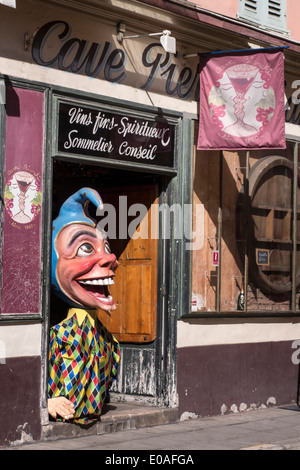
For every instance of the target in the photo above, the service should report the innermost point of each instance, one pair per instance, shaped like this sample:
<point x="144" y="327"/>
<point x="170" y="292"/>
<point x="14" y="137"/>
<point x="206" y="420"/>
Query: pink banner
<point x="242" y="101"/>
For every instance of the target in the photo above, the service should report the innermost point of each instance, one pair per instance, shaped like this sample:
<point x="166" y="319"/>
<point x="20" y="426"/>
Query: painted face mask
<point x="83" y="266"/>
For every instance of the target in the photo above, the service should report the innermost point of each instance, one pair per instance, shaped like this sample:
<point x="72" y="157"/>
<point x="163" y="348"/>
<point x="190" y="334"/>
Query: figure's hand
<point x="61" y="406"/>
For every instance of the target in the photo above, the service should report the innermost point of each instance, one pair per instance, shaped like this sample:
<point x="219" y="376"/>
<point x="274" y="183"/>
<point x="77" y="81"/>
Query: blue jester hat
<point x="72" y="211"/>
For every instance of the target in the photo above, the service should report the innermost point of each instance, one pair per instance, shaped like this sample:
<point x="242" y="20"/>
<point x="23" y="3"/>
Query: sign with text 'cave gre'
<point x="100" y="134"/>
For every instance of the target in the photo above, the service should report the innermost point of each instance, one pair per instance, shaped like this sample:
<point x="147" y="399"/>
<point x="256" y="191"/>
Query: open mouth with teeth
<point x="98" y="288"/>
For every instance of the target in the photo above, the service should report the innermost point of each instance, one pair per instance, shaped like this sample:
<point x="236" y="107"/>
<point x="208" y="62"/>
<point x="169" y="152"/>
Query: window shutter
<point x="268" y="13"/>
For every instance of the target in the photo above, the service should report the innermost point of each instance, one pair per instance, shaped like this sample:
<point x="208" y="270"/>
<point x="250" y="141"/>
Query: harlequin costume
<point x="83" y="361"/>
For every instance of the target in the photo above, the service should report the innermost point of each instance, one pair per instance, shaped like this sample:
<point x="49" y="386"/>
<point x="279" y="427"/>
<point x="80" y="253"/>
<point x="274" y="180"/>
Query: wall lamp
<point x="166" y="40"/>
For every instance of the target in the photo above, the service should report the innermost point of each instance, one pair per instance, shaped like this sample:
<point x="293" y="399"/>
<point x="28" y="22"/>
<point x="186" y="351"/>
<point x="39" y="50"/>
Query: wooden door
<point x="135" y="288"/>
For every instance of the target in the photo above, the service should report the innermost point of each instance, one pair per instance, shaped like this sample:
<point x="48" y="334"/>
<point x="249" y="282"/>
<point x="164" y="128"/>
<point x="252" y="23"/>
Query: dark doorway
<point x="137" y="321"/>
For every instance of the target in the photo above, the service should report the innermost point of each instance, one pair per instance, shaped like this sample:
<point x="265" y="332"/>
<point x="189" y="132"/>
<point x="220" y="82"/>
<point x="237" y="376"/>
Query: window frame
<point x="294" y="140"/>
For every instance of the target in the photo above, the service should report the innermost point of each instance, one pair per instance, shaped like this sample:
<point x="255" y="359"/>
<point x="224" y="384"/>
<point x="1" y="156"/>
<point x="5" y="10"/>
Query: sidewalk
<point x="276" y="428"/>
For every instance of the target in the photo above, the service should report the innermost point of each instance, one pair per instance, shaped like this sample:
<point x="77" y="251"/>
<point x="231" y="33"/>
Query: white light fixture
<point x="166" y="40"/>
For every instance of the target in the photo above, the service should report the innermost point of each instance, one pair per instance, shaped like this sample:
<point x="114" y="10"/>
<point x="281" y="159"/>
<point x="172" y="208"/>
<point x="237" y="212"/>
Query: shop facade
<point x="53" y="132"/>
<point x="82" y="108"/>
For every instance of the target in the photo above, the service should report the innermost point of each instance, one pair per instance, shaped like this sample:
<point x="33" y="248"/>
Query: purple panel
<point x="21" y="253"/>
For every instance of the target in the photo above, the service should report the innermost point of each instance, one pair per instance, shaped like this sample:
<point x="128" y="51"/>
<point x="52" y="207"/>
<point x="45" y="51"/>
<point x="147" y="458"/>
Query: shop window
<point x="266" y="13"/>
<point x="250" y="258"/>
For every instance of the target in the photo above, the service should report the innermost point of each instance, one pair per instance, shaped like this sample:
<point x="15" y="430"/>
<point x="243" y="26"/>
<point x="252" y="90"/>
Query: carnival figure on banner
<point x="83" y="355"/>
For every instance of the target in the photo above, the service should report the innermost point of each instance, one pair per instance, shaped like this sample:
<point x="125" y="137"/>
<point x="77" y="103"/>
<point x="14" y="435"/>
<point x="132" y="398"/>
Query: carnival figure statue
<point x="83" y="355"/>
